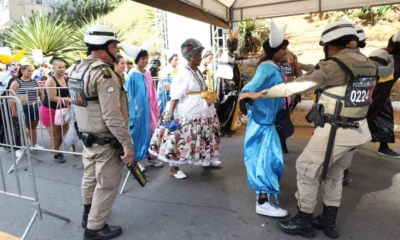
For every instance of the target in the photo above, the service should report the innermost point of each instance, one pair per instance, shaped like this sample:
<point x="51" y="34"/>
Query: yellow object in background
<point x="17" y="57"/>
<point x="6" y="236"/>
<point x="82" y="55"/>
<point x="236" y="110"/>
<point x="314" y="96"/>
<point x="235" y="117"/>
<point x="386" y="79"/>
<point x="7" y="59"/>
<point x="210" y="81"/>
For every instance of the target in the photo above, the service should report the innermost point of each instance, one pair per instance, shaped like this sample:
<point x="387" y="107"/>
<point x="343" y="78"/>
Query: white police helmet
<point x="336" y="30"/>
<point x="100" y="35"/>
<point x="360" y="33"/>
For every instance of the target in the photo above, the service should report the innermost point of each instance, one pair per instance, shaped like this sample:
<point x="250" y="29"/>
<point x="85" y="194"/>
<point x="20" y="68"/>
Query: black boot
<point x="347" y="179"/>
<point x="86" y="210"/>
<point x="298" y="225"/>
<point x="327" y="222"/>
<point x="105" y="233"/>
<point x="283" y="144"/>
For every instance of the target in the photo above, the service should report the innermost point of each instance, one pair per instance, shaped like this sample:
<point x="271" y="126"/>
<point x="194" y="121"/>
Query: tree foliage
<point x="78" y="11"/>
<point x="42" y="31"/>
<point x="55" y="37"/>
<point x="251" y="32"/>
<point x="365" y="16"/>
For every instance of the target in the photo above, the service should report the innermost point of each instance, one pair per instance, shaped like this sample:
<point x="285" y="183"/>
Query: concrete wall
<point x="18" y="8"/>
<point x="29" y="7"/>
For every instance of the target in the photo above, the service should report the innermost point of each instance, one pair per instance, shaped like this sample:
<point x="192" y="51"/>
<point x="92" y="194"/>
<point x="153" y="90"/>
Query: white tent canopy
<point x="237" y="10"/>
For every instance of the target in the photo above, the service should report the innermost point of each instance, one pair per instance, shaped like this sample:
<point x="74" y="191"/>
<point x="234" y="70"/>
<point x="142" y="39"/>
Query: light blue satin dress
<point x="139" y="113"/>
<point x="163" y="96"/>
<point x="262" y="148"/>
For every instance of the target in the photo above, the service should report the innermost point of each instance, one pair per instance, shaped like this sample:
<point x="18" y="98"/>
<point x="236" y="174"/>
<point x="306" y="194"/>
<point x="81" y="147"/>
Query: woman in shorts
<point x="27" y="91"/>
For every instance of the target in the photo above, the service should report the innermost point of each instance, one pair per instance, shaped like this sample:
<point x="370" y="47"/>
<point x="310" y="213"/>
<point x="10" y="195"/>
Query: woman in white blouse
<point x="189" y="131"/>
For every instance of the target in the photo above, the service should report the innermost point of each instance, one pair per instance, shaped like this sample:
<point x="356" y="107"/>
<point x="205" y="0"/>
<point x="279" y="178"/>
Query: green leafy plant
<point x="370" y="15"/>
<point x="43" y="31"/>
<point x="251" y="31"/>
<point x="151" y="17"/>
<point x="76" y="11"/>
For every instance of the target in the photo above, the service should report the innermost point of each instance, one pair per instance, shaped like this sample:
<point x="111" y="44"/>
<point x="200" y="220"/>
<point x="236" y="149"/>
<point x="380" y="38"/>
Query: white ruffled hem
<point x="189" y="117"/>
<point x="188" y="161"/>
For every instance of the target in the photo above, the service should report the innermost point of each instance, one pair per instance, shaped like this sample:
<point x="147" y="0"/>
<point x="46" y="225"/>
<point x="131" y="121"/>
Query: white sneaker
<point x="37" y="146"/>
<point x="179" y="175"/>
<point x="215" y="164"/>
<point x="154" y="163"/>
<point x="150" y="163"/>
<point x="143" y="169"/>
<point x="270" y="210"/>
<point x="18" y="153"/>
<point x="159" y="163"/>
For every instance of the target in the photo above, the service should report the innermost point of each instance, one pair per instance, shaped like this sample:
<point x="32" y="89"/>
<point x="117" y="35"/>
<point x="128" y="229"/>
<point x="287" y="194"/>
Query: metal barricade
<point x="162" y="85"/>
<point x="51" y="136"/>
<point x="9" y="128"/>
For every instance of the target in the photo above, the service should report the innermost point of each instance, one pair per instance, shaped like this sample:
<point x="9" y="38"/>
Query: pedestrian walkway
<point x="212" y="204"/>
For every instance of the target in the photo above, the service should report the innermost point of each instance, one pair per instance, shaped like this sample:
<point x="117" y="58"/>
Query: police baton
<point x="134" y="168"/>
<point x="331" y="140"/>
<point x="335" y="124"/>
<point x="137" y="174"/>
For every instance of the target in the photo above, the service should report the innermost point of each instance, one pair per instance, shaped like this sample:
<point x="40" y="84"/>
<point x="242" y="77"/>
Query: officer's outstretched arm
<point x="109" y="91"/>
<point x="328" y="73"/>
<point x="305" y="67"/>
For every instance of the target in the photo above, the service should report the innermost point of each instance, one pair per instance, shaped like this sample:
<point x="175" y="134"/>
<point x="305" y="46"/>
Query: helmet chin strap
<point x="326" y="50"/>
<point x="111" y="56"/>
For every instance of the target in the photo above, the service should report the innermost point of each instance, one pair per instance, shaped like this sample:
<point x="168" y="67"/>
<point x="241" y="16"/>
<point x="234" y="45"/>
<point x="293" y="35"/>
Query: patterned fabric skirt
<point x="195" y="142"/>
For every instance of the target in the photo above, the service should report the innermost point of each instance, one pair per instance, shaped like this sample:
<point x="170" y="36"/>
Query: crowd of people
<point x="180" y="118"/>
<point x="42" y="92"/>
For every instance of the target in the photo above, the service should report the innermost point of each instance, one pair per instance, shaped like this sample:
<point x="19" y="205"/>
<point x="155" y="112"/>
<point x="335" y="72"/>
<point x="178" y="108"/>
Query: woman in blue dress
<point x="163" y="90"/>
<point x="139" y="102"/>
<point x="262" y="148"/>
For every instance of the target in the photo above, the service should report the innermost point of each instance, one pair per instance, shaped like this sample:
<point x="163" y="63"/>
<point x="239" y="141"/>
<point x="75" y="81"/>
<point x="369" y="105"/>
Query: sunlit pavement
<point x="210" y="204"/>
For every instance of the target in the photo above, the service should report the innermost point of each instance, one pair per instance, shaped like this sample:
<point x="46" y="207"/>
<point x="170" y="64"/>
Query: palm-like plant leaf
<point x="250" y="28"/>
<point x="151" y="17"/>
<point x="43" y="32"/>
<point x="77" y="10"/>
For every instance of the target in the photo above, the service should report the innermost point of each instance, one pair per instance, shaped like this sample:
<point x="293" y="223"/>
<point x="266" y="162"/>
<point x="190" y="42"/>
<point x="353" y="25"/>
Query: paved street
<point x="211" y="204"/>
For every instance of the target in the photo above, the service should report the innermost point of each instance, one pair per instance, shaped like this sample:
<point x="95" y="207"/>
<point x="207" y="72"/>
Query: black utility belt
<point x="103" y="141"/>
<point x="318" y="116"/>
<point x="342" y="122"/>
<point x="89" y="139"/>
<point x="330" y="118"/>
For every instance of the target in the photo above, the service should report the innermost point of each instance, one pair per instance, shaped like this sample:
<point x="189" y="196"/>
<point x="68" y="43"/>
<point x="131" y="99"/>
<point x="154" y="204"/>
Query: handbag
<point x="62" y="115"/>
<point x="283" y="124"/>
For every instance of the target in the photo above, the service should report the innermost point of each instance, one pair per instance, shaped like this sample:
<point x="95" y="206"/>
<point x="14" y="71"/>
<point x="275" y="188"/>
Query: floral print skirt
<point x="195" y="142"/>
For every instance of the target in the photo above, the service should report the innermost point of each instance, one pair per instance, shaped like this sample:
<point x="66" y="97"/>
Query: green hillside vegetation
<point x="134" y="18"/>
<point x="61" y="35"/>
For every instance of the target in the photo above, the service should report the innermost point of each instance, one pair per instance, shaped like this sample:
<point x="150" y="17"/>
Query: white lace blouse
<point x="190" y="106"/>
